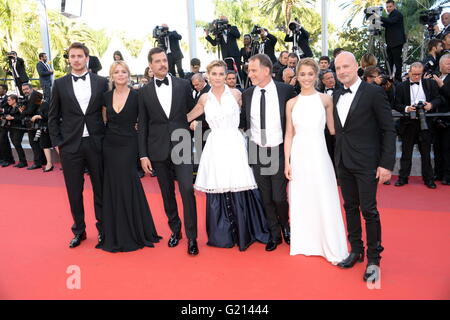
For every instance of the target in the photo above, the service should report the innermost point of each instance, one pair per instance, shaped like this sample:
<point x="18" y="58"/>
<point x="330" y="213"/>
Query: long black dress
<point x="128" y="224"/>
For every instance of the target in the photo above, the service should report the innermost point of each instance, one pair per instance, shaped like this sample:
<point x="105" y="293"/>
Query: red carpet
<point x="35" y="232"/>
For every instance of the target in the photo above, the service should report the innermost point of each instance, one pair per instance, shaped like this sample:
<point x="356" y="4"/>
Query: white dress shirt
<point x="164" y="94"/>
<point x="417" y="93"/>
<point x="274" y="132"/>
<point x="82" y="90"/>
<point x="345" y="101"/>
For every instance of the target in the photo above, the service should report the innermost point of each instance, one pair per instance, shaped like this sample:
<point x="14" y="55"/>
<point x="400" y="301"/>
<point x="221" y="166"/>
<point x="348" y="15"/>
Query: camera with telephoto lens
<point x="295" y="26"/>
<point x="256" y="30"/>
<point x="420" y="114"/>
<point x="160" y="32"/>
<point x="66" y="53"/>
<point x="40" y="128"/>
<point x="3" y="122"/>
<point x="10" y="56"/>
<point x="218" y="26"/>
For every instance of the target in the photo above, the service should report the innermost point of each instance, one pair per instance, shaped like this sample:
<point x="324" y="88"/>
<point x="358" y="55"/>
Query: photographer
<point x="14" y="116"/>
<point x="268" y="42"/>
<point x="40" y="120"/>
<point x="6" y="157"/>
<point x="373" y="75"/>
<point x="45" y="75"/>
<point x="395" y="37"/>
<point x="17" y="70"/>
<point x="445" y="19"/>
<point x="170" y="42"/>
<point x="431" y="65"/>
<point x="414" y="98"/>
<point x="441" y="142"/>
<point x="225" y="36"/>
<point x="32" y="102"/>
<point x="300" y="37"/>
<point x="280" y="65"/>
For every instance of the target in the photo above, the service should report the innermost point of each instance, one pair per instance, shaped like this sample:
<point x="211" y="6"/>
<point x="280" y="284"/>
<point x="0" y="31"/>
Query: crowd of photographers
<point x="420" y="97"/>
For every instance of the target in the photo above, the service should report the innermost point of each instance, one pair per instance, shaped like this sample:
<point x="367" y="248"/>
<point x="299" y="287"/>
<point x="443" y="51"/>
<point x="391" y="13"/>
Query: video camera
<point x="218" y="26"/>
<point x="374" y="23"/>
<point x="430" y="17"/>
<point x="420" y="114"/>
<point x="160" y="32"/>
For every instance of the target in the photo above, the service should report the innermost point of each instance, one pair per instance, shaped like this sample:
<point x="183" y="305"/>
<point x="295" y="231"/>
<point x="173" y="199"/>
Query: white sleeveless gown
<point x="317" y="227"/>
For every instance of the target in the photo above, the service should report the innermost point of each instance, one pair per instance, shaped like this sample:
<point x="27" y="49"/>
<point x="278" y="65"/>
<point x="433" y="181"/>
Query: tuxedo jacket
<point x="66" y="119"/>
<point x="403" y="99"/>
<point x="229" y="48"/>
<point x="269" y="47"/>
<point x="94" y="64"/>
<point x="154" y="127"/>
<point x="367" y="138"/>
<point x="21" y="72"/>
<point x="444" y="91"/>
<point x="285" y="93"/>
<point x="174" y="42"/>
<point x="45" y="75"/>
<point x="302" y="42"/>
<point x="394" y="29"/>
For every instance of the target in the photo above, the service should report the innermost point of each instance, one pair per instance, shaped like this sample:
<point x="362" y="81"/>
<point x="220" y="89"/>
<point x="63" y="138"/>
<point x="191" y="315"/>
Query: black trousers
<point x="394" y="56"/>
<point x="441" y="146"/>
<point x="178" y="64"/>
<point x="165" y="171"/>
<point x="359" y="190"/>
<point x="5" y="146"/>
<point x="38" y="153"/>
<point x="410" y="134"/>
<point x="47" y="91"/>
<point x="73" y="168"/>
<point x="16" y="137"/>
<point x="273" y="189"/>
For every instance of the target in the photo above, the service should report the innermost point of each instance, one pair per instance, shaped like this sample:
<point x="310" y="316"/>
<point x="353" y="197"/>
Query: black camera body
<point x="430" y="17"/>
<point x="420" y="114"/>
<point x="66" y="53"/>
<point x="294" y="27"/>
<point x="256" y="30"/>
<point x="218" y="26"/>
<point x="3" y="122"/>
<point x="160" y="32"/>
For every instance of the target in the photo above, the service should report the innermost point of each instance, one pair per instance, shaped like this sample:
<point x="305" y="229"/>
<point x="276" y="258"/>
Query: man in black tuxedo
<point x="200" y="87"/>
<point x="395" y="37"/>
<point x="163" y="107"/>
<point x="263" y="115"/>
<point x="94" y="64"/>
<point x="171" y="45"/>
<point x="301" y="40"/>
<point x="445" y="19"/>
<point x="267" y="45"/>
<point x="227" y="42"/>
<point x="17" y="70"/>
<point x="45" y="75"/>
<point x="6" y="157"/>
<point x="408" y="94"/>
<point x="441" y="142"/>
<point x="76" y="129"/>
<point x="364" y="156"/>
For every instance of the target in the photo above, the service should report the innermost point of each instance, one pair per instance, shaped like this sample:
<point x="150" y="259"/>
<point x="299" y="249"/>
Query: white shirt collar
<point x="270" y="86"/>
<point x="354" y="87"/>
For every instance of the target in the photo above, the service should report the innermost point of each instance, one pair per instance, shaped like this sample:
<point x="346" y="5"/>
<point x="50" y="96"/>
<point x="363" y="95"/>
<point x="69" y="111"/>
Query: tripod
<point x="377" y="47"/>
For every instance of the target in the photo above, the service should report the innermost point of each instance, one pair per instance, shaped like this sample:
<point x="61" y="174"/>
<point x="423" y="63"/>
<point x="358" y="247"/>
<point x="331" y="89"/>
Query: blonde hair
<point x="310" y="62"/>
<point x="216" y="63"/>
<point x="114" y="66"/>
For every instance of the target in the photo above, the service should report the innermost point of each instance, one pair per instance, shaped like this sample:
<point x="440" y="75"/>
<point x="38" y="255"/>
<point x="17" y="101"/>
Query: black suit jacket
<point x="21" y="72"/>
<point x="444" y="91"/>
<point x="269" y="47"/>
<point x="155" y="128"/>
<point x="174" y="42"/>
<point x="31" y="108"/>
<point x="367" y="138"/>
<point x="394" y="29"/>
<point x="229" y="48"/>
<point x="94" y="64"/>
<point x="285" y="93"/>
<point x="66" y="119"/>
<point x="45" y="75"/>
<point x="302" y="42"/>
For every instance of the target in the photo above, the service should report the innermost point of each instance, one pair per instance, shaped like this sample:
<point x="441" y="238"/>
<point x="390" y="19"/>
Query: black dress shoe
<point x="351" y="260"/>
<point x="430" y="184"/>
<point x="401" y="182"/>
<point x="174" y="239"/>
<point x="6" y="164"/>
<point x="21" y="165"/>
<point x="446" y="182"/>
<point x="101" y="239"/>
<point x="387" y="183"/>
<point x="75" y="242"/>
<point x="372" y="272"/>
<point x="34" y="166"/>
<point x="272" y="245"/>
<point x="192" y="247"/>
<point x="286" y="232"/>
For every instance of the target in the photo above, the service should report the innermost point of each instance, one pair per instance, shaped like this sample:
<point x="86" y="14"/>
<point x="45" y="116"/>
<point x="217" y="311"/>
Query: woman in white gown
<point x="317" y="227"/>
<point x="234" y="208"/>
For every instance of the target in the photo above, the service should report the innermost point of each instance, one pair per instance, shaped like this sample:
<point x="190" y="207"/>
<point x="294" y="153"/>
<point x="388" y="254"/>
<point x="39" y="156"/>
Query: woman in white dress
<point x="234" y="208"/>
<point x="317" y="227"/>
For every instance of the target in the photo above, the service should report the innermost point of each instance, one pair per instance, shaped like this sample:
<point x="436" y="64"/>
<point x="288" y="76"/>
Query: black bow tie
<point x="413" y="83"/>
<point x="75" y="78"/>
<point x="160" y="82"/>
<point x="344" y="91"/>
